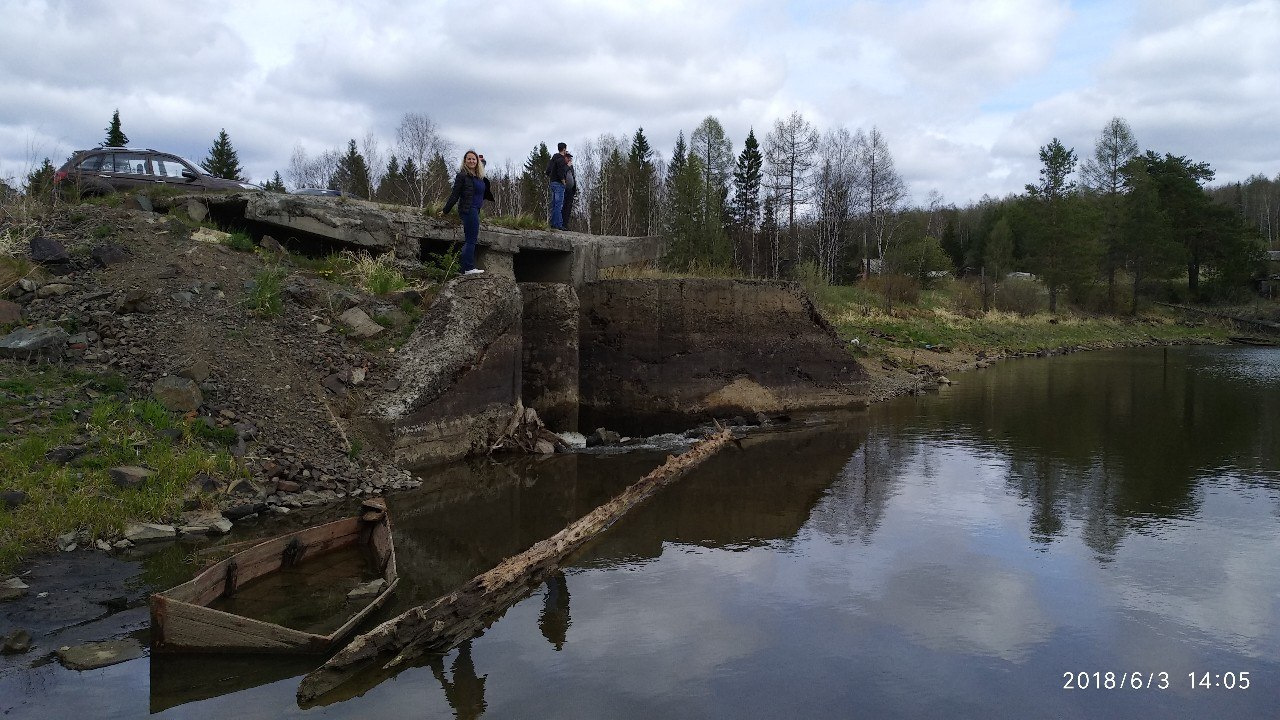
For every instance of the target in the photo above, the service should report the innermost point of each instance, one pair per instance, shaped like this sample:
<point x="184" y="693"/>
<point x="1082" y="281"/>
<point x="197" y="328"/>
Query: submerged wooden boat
<point x="183" y="619"/>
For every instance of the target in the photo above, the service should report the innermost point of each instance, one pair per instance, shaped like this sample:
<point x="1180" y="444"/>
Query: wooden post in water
<point x="447" y="621"/>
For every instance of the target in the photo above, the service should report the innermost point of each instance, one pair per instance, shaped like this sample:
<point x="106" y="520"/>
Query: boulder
<point x="64" y="454"/>
<point x="197" y="210"/>
<point x="359" y="324"/>
<point x="129" y="476"/>
<point x="137" y="300"/>
<point x="42" y="341"/>
<point x="11" y="499"/>
<point x="91" y="656"/>
<point x="198" y="371"/>
<point x="178" y="394"/>
<point x="12" y="589"/>
<point x="18" y="641"/>
<point x="47" y="250"/>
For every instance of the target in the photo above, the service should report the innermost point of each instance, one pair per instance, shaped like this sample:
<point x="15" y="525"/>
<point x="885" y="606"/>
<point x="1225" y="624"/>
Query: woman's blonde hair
<point x="479" y="164"/>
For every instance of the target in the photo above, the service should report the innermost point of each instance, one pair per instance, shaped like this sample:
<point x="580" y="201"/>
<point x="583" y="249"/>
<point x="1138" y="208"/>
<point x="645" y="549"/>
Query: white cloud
<point x="966" y="92"/>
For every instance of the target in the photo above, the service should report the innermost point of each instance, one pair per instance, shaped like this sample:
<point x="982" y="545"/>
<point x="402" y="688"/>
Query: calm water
<point x="952" y="555"/>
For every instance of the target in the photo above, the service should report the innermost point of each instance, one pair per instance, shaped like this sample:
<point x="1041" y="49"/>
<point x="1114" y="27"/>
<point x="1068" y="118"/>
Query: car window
<point x="167" y="166"/>
<point x="93" y="162"/>
<point x="131" y="163"/>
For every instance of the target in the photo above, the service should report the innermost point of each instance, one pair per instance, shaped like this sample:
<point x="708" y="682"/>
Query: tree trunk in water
<point x="451" y="619"/>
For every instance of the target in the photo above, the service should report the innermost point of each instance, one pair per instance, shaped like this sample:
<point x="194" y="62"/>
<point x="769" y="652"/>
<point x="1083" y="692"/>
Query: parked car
<point x="116" y="169"/>
<point x="316" y="191"/>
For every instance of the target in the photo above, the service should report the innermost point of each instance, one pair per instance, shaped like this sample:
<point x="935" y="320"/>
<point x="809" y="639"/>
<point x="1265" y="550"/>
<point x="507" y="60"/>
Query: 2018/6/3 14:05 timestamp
<point x="1098" y="680"/>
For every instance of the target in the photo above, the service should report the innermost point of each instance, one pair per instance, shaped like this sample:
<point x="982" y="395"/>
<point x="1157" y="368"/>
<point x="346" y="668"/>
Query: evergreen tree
<point x="439" y="180"/>
<point x="222" y="161"/>
<point x="352" y="176"/>
<point x="535" y="186"/>
<point x="745" y="210"/>
<point x="640" y="190"/>
<point x="40" y="182"/>
<point x="115" y="136"/>
<point x="1146" y="241"/>
<point x="1061" y="245"/>
<point x="410" y="182"/>
<point x="390" y="188"/>
<point x="276" y="184"/>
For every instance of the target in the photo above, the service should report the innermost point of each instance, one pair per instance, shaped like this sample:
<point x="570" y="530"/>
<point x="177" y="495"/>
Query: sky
<point x="965" y="92"/>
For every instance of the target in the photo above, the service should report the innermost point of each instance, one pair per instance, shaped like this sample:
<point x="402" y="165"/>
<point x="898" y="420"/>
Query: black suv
<point x="115" y="169"/>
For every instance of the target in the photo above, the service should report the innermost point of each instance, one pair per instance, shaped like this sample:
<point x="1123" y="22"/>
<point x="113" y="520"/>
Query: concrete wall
<point x="550" y="369"/>
<point x="661" y="355"/>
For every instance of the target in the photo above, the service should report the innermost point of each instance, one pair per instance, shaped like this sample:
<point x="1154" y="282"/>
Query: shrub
<point x="1024" y="296"/>
<point x="810" y="276"/>
<point x="895" y="289"/>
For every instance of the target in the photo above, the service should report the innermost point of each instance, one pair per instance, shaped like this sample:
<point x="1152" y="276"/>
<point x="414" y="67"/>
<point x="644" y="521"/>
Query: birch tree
<point x="881" y="193"/>
<point x="789" y="150"/>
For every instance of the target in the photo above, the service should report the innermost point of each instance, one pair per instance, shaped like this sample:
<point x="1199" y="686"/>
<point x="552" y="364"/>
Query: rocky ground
<point x="140" y="295"/>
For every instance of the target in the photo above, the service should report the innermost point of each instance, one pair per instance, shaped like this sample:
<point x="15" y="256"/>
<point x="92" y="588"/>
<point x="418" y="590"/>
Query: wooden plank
<point x="440" y="625"/>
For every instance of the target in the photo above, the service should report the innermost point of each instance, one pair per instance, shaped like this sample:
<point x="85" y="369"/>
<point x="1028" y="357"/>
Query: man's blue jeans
<point x="470" y="233"/>
<point x="557" y="205"/>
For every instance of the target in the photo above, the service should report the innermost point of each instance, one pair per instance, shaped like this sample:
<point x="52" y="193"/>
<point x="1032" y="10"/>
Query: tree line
<point x="830" y="205"/>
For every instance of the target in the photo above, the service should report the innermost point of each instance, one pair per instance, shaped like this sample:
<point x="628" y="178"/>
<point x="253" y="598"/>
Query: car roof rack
<point x="119" y="147"/>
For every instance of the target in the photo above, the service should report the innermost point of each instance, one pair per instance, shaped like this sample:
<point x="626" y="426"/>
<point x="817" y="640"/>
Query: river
<point x="1095" y="535"/>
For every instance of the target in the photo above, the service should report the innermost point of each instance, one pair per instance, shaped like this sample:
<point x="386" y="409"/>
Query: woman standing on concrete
<point x="470" y="190"/>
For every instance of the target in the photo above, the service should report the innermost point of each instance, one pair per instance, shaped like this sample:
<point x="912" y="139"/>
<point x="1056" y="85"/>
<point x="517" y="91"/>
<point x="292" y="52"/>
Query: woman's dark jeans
<point x="471" y="233"/>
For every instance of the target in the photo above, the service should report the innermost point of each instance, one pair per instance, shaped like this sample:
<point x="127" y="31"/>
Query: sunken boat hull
<point x="183" y="621"/>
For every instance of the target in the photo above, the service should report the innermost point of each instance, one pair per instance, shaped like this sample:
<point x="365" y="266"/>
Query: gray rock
<point x="18" y="641"/>
<point x="10" y="312"/>
<point x="137" y="300"/>
<point x="178" y="394"/>
<point x="303" y="294"/>
<point x="198" y="371"/>
<point x="241" y="512"/>
<point x="109" y="254"/>
<point x="47" y="250"/>
<point x="42" y="341"/>
<point x="359" y="324"/>
<point x="183" y="297"/>
<point x="91" y="656"/>
<point x="12" y="589"/>
<point x="64" y="454"/>
<point x="53" y="290"/>
<point x="210" y="235"/>
<point x="197" y="210"/>
<point x="139" y="202"/>
<point x="12" y="498"/>
<point x="129" y="476"/>
<point x="67" y="541"/>
<point x="273" y="246"/>
<point x="149" y="532"/>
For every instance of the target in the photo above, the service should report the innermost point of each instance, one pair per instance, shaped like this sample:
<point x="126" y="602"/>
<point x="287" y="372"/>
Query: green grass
<point x="265" y="298"/>
<point x="103" y="231"/>
<point x="376" y="274"/>
<point x="523" y="221"/>
<point x="114" y="431"/>
<point x="241" y="242"/>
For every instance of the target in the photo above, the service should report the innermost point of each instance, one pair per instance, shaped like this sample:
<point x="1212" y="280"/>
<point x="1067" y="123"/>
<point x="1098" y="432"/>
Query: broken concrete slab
<point x="149" y="532"/>
<point x="209" y="235"/>
<point x="16" y="642"/>
<point x="94" y="655"/>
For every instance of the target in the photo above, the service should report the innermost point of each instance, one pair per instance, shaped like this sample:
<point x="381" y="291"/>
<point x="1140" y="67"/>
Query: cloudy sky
<point x="964" y="91"/>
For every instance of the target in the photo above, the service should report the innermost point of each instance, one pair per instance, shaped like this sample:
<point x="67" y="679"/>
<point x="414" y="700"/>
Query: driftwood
<point x="442" y="624"/>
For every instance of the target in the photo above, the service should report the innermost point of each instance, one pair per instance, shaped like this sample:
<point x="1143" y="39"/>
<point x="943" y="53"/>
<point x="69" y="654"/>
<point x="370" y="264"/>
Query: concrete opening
<point x="543" y="266"/>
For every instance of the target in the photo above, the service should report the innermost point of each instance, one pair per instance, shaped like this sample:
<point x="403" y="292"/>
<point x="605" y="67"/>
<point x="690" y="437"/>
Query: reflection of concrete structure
<point x="468" y="519"/>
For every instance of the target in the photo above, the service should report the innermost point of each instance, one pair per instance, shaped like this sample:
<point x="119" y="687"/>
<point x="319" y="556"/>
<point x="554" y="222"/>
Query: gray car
<point x="116" y="169"/>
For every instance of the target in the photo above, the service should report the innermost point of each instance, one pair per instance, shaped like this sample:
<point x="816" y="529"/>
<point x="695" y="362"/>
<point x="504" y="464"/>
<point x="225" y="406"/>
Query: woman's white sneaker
<point x="473" y="271"/>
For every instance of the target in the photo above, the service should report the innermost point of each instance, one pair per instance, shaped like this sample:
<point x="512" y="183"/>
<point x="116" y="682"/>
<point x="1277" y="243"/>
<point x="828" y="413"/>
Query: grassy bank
<point x="936" y="320"/>
<point x="62" y="430"/>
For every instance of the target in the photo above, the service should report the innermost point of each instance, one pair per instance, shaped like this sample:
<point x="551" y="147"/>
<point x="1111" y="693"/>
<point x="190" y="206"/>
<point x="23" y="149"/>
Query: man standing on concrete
<point x="557" y="169"/>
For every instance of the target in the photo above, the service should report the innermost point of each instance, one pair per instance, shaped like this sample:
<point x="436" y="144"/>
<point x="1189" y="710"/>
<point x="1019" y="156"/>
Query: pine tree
<point x="535" y="187"/>
<point x="276" y="184"/>
<point x="1061" y="242"/>
<point x="390" y="190"/>
<point x="222" y="161"/>
<point x="439" y="180"/>
<point x="640" y="176"/>
<point x="115" y="136"/>
<point x="745" y="210"/>
<point x="352" y="176"/>
<point x="40" y="181"/>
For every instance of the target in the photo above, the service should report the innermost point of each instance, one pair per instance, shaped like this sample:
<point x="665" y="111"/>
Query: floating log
<point x="439" y="626"/>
